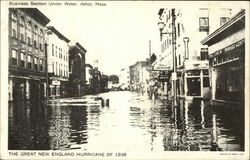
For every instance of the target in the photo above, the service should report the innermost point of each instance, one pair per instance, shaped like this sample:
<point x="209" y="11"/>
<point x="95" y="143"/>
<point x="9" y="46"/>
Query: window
<point x="35" y="63"/>
<point x="204" y="54"/>
<point x="14" y="57"/>
<point x="205" y="72"/>
<point x="22" y="59"/>
<point x="206" y="82"/>
<point x="35" y="37"/>
<point x="53" y="67"/>
<point x="41" y="65"/>
<point x="29" y="61"/>
<point x="179" y="59"/>
<point x="22" y="25"/>
<point x="204" y="24"/>
<point x="178" y="29"/>
<point x="56" y="68"/>
<point x="13" y="25"/>
<point x="52" y="49"/>
<point x="56" y="51"/>
<point x="29" y="33"/>
<point x="223" y="20"/>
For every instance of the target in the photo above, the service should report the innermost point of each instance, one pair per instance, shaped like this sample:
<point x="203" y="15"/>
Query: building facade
<point x="139" y="75"/>
<point x="76" y="86"/>
<point x="27" y="57"/>
<point x="58" y="62"/>
<point x="124" y="79"/>
<point x="89" y="78"/>
<point x="181" y="36"/>
<point x="227" y="61"/>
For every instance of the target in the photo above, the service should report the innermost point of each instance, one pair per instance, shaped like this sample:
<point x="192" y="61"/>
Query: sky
<point x="117" y="35"/>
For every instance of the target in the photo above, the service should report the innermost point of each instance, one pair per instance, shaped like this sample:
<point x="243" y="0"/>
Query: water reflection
<point x="132" y="122"/>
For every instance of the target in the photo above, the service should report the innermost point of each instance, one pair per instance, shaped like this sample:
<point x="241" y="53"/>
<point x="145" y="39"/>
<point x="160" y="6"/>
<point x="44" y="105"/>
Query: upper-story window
<point x="223" y="20"/>
<point x="22" y="59"/>
<point x="52" y="49"/>
<point x="41" y="45"/>
<point x="29" y="33"/>
<point x="41" y="64"/>
<point x="22" y="30"/>
<point x="13" y="25"/>
<point x="14" y="57"/>
<point x="35" y="36"/>
<point x="204" y="54"/>
<point x="204" y="24"/>
<point x="29" y="61"/>
<point x="178" y="29"/>
<point x="35" y="63"/>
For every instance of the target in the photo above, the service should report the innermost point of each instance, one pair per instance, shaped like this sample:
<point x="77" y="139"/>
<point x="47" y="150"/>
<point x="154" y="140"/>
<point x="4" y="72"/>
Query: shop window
<point x="205" y="72"/>
<point x="22" y="59"/>
<point x="194" y="73"/>
<point x="204" y="54"/>
<point x="14" y="57"/>
<point x="204" y="24"/>
<point x="223" y="20"/>
<point x="206" y="82"/>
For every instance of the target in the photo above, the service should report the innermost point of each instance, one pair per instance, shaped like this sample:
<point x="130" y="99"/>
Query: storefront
<point x="196" y="80"/>
<point x="227" y="61"/>
<point x="228" y="70"/>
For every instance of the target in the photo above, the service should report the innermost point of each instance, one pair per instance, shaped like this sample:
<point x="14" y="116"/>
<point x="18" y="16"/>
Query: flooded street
<point x="131" y="122"/>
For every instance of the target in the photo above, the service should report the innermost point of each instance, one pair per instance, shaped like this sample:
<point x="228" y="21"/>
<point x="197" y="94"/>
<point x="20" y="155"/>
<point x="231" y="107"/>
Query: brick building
<point x="27" y="54"/>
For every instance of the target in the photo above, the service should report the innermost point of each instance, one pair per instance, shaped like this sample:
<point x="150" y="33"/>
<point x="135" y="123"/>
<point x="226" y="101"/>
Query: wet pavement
<point x="131" y="122"/>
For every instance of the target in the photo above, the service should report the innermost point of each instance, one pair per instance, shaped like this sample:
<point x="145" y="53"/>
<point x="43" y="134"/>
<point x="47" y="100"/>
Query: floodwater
<point x="131" y="122"/>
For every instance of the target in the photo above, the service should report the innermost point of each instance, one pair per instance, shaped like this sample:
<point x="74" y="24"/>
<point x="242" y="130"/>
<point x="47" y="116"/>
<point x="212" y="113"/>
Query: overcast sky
<point x="117" y="35"/>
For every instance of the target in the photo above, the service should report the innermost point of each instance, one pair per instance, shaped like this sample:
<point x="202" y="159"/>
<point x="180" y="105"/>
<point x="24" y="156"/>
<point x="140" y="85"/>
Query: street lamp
<point x="161" y="25"/>
<point x="173" y="33"/>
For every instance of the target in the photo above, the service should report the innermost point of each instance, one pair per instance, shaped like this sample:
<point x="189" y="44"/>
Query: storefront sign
<point x="228" y="48"/>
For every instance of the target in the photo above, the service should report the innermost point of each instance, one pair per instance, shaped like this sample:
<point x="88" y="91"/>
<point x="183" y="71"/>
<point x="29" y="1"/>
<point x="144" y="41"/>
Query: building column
<point x="10" y="89"/>
<point x="201" y="78"/>
<point x="213" y="82"/>
<point x="45" y="90"/>
<point x="27" y="89"/>
<point x="185" y="84"/>
<point x="165" y="88"/>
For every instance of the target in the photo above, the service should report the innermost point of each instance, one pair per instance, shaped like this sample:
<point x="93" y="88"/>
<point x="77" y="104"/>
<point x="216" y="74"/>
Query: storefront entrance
<point x="194" y="86"/>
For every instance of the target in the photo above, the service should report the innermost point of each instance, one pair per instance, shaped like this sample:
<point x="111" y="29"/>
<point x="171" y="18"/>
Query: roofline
<point x="80" y="47"/>
<point x="160" y="11"/>
<point x="60" y="35"/>
<point x="229" y="23"/>
<point x="89" y="65"/>
<point x="45" y="19"/>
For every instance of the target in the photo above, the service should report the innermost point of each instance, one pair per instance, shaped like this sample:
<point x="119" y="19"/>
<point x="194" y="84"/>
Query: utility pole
<point x="46" y="70"/>
<point x="174" y="74"/>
